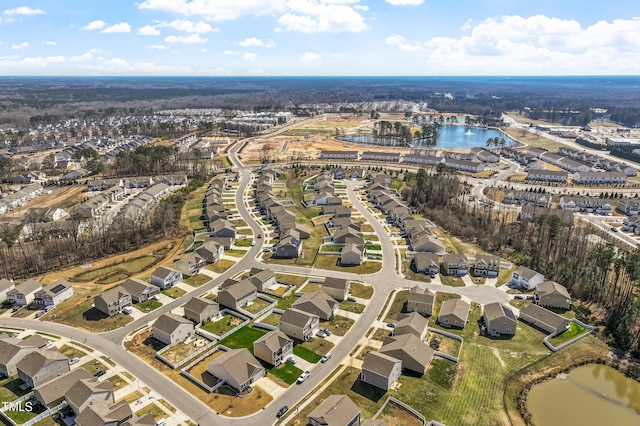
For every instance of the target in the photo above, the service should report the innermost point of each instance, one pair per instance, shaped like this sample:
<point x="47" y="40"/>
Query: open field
<point x="62" y="197"/>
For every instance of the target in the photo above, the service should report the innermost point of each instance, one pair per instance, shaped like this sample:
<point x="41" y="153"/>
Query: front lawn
<point x="335" y="249"/>
<point x="362" y="291"/>
<point x="451" y="281"/>
<point x="286" y="373"/>
<point x="147" y="306"/>
<point x="198" y="280"/>
<point x="174" y="292"/>
<point x="246" y="242"/>
<point x="221" y="266"/>
<point x="338" y="325"/>
<point x="242" y="338"/>
<point x="356" y="308"/>
<point x="306" y="354"/>
<point x="376" y="247"/>
<point x="71" y="351"/>
<point x="397" y="306"/>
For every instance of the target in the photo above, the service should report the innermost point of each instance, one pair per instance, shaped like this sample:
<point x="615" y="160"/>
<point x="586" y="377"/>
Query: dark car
<point x="100" y="373"/>
<point x="282" y="411"/>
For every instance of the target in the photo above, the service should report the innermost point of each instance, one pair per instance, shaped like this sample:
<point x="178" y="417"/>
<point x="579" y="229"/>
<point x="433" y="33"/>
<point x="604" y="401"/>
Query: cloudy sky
<point x="319" y="37"/>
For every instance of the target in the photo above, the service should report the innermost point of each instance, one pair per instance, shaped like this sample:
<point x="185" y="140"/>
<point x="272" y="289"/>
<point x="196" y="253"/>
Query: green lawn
<point x="338" y="325"/>
<point x="257" y="305"/>
<point x="330" y="262"/>
<point x="272" y="319"/>
<point x="152" y="409"/>
<point x="286" y="372"/>
<point x="174" y="292"/>
<point x="356" y="308"/>
<point x="311" y="287"/>
<point x="397" y="306"/>
<point x="361" y="290"/>
<point x="504" y="276"/>
<point x="451" y="281"/>
<point x="574" y="331"/>
<point x="373" y="247"/>
<point x="148" y="306"/>
<point x="243" y="338"/>
<point x="337" y="249"/>
<point x="197" y="280"/>
<point x="10" y="389"/>
<point x="246" y="242"/>
<point x="306" y="354"/>
<point x="223" y="325"/>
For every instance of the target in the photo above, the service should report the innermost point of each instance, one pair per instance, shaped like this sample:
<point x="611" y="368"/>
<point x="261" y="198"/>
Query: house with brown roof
<point x="274" y="347"/>
<point x="191" y="264"/>
<point x="420" y="300"/>
<point x="24" y="293"/>
<point x="299" y="324"/>
<point x="262" y="278"/>
<point x="140" y="291"/>
<point x="544" y="319"/>
<point x="486" y="266"/>
<point x="112" y="301"/>
<point x="423" y="241"/>
<point x="52" y="393"/>
<point x="380" y="370"/>
<point x="338" y="288"/>
<point x="347" y="235"/>
<point x="336" y="410"/>
<point x="40" y="366"/>
<point x="453" y="313"/>
<point x="53" y="294"/>
<point x="200" y="310"/>
<point x="237" y="367"/>
<point x="412" y="323"/>
<point x="171" y="329"/>
<point x="238" y="294"/>
<point x="87" y="392"/>
<point x="119" y="413"/>
<point x="413" y="352"/>
<point x="550" y="294"/>
<point x="526" y="278"/>
<point x="427" y="263"/>
<point x="499" y="319"/>
<point x="12" y="350"/>
<point x="165" y="277"/>
<point x="211" y="251"/>
<point x="455" y="265"/>
<point x="317" y="303"/>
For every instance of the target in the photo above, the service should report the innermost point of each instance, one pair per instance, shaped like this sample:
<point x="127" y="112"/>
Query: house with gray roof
<point x="425" y="242"/>
<point x="24" y="293"/>
<point x="262" y="278"/>
<point x="486" y="266"/>
<point x="455" y="265"/>
<point x="526" y="278"/>
<point x="40" y="366"/>
<point x="119" y="413"/>
<point x="338" y="288"/>
<point x="12" y="350"/>
<point x="238" y="368"/>
<point x="426" y="263"/>
<point x="336" y="410"/>
<point x="550" y="294"/>
<point x="237" y="295"/>
<point x="140" y="291"/>
<point x="52" y="393"/>
<point x="5" y="286"/>
<point x="299" y="324"/>
<point x="544" y="319"/>
<point x="289" y="245"/>
<point x="200" y="310"/>
<point x="191" y="264"/>
<point x="352" y="254"/>
<point x="453" y="313"/>
<point x="413" y="352"/>
<point x="274" y="347"/>
<point x="499" y="319"/>
<point x="87" y="392"/>
<point x="380" y="370"/>
<point x="171" y="329"/>
<point x="420" y="300"/>
<point x="112" y="301"/>
<point x="164" y="277"/>
<point x="317" y="303"/>
<point x="412" y="323"/>
<point x="211" y="251"/>
<point x="53" y="294"/>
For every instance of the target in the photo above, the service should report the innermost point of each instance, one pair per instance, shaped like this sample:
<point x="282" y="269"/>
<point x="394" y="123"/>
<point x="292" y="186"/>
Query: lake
<point x="593" y="394"/>
<point x="459" y="137"/>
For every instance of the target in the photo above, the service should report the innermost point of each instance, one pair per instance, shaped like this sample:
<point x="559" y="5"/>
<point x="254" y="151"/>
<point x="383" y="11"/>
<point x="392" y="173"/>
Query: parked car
<point x="259" y="235"/>
<point x="391" y="325"/>
<point x="282" y="411"/>
<point x="303" y="377"/>
<point x="100" y="373"/>
<point x="16" y="308"/>
<point x="253" y="243"/>
<point x="291" y="360"/>
<point x="40" y="313"/>
<point x="326" y="331"/>
<point x="351" y="299"/>
<point x="74" y="360"/>
<point x="326" y="357"/>
<point x="321" y="334"/>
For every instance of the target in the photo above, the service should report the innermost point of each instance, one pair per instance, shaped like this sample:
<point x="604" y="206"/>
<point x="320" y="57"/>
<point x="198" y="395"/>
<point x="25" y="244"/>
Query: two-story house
<point x="299" y="324"/>
<point x="274" y="347"/>
<point x="112" y="301"/>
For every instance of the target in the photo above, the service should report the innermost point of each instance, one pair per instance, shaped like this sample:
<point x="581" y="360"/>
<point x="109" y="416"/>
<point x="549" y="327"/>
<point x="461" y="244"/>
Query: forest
<point x="602" y="276"/>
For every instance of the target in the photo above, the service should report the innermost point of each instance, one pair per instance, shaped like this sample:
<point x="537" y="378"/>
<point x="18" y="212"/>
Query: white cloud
<point x="405" y="2"/>
<point x="28" y="63"/>
<point x="215" y="10"/>
<point x="257" y="71"/>
<point x="314" y="16"/>
<point x="22" y="45"/>
<point x="307" y="57"/>
<point x="49" y="42"/>
<point x="247" y="56"/>
<point x="467" y="25"/>
<point x="24" y="10"/>
<point x="203" y="50"/>
<point x="256" y="42"/>
<point x="148" y="30"/>
<point x="361" y="7"/>
<point x="122" y="27"/>
<point x="95" y="25"/>
<point x="158" y="47"/>
<point x="190" y="26"/>
<point x="122" y="66"/>
<point x="533" y="45"/>
<point x="190" y="39"/>
<point x="85" y="56"/>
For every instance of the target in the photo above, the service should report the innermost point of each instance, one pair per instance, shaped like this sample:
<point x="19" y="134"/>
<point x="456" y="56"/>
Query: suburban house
<point x="210" y="251"/>
<point x="499" y="319"/>
<point x="237" y="295"/>
<point x="412" y="323"/>
<point x="414" y="354"/>
<point x="347" y="235"/>
<point x="423" y="241"/>
<point x="420" y="301"/>
<point x="586" y="204"/>
<point x="24" y="293"/>
<point x="191" y="264"/>
<point x="112" y="301"/>
<point x="543" y="318"/>
<point x="237" y="367"/>
<point x="165" y="277"/>
<point x="274" y="347"/>
<point x="486" y="266"/>
<point x="262" y="278"/>
<point x="299" y="324"/>
<point x="339" y="155"/>
<point x="527" y="198"/>
<point x="548" y="176"/>
<point x="289" y="246"/>
<point x="336" y="410"/>
<point x="119" y="413"/>
<point x="426" y="263"/>
<point x="352" y="254"/>
<point x="629" y="206"/>
<point x="88" y="392"/>
<point x="526" y="278"/>
<point x="41" y="366"/>
<point x="140" y="291"/>
<point x="317" y="303"/>
<point x="12" y="350"/>
<point x="453" y="313"/>
<point x="5" y="286"/>
<point x="171" y="329"/>
<point x="550" y="294"/>
<point x="53" y="392"/>
<point x="338" y="288"/>
<point x="380" y="370"/>
<point x="53" y="294"/>
<point x="200" y="310"/>
<point x="222" y="228"/>
<point x="455" y="265"/>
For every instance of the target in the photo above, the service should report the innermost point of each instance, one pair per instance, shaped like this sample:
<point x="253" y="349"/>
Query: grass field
<point x="338" y="325"/>
<point x="221" y="265"/>
<point x="306" y="354"/>
<point x="10" y="389"/>
<point x="174" y="292"/>
<point x="286" y="373"/>
<point x="223" y="325"/>
<point x="147" y="306"/>
<point x="574" y="331"/>
<point x="242" y="338"/>
<point x="272" y="319"/>
<point x="361" y="290"/>
<point x="125" y="269"/>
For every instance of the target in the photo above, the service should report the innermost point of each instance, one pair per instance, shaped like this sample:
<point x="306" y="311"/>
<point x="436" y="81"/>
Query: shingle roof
<point x="552" y="287"/>
<point x="56" y="389"/>
<point x="296" y="317"/>
<point x="236" y="363"/>
<point x="525" y="272"/>
<point x="273" y="340"/>
<point x="544" y="316"/>
<point x="379" y="363"/>
<point x="33" y="362"/>
<point x="496" y="310"/>
<point x="199" y="304"/>
<point x="163" y="272"/>
<point x="456" y="307"/>
<point x="168" y="323"/>
<point x="316" y="301"/>
<point x="335" y="410"/>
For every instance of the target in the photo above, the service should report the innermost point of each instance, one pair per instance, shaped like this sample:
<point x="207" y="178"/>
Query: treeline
<point x="596" y="273"/>
<point x="149" y="160"/>
<point x="628" y="116"/>
<point x="625" y="152"/>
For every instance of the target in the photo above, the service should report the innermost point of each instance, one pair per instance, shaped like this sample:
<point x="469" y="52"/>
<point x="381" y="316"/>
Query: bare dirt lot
<point x="62" y="197"/>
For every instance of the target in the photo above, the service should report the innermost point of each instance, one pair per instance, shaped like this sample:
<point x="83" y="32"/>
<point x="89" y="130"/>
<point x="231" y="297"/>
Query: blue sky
<point x="319" y="37"/>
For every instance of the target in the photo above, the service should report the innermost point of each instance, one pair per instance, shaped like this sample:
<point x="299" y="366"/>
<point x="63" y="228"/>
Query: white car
<point x="74" y="360"/>
<point x="326" y="357"/>
<point x="303" y="377"/>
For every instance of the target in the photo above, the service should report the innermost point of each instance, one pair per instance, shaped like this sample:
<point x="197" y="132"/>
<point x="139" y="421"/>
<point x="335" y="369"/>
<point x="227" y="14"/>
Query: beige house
<point x="53" y="294"/>
<point x="299" y="324"/>
<point x="262" y="278"/>
<point x="274" y="347"/>
<point x="544" y="319"/>
<point x="380" y="370"/>
<point x="53" y="392"/>
<point x="414" y="354"/>
<point x="119" y="413"/>
<point x="87" y="392"/>
<point x="171" y="329"/>
<point x="40" y="366"/>
<point x="237" y="294"/>
<point x="337" y="288"/>
<point x="237" y="367"/>
<point x="499" y="319"/>
<point x="191" y="264"/>
<point x="421" y="301"/>
<point x="453" y="313"/>
<point x="486" y="266"/>
<point x="455" y="265"/>
<point x="317" y="303"/>
<point x="412" y="323"/>
<point x="199" y="310"/>
<point x="550" y="294"/>
<point x="426" y="263"/>
<point x="24" y="293"/>
<point x="12" y="350"/>
<point x="352" y="254"/>
<point x="140" y="291"/>
<point x="336" y="410"/>
<point x="526" y="278"/>
<point x="112" y="301"/>
<point x="211" y="251"/>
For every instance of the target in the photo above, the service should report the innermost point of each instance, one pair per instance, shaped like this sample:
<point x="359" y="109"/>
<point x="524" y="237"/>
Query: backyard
<point x="223" y="325"/>
<point x="242" y="338"/>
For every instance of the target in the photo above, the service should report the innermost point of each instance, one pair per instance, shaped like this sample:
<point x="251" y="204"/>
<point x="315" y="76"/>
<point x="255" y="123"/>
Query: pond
<point x="593" y="394"/>
<point x="449" y="136"/>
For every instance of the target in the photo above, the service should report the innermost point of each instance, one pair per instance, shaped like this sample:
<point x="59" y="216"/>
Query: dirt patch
<point x="62" y="197"/>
